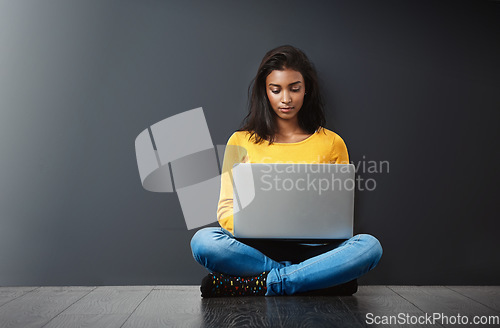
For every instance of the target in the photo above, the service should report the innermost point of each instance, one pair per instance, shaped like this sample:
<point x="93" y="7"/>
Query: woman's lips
<point x="286" y="109"/>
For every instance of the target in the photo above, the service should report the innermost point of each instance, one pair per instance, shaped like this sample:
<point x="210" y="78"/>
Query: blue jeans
<point x="218" y="251"/>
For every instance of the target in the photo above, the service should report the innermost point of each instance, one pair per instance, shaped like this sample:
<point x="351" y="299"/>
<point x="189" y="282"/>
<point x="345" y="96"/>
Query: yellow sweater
<point x="324" y="146"/>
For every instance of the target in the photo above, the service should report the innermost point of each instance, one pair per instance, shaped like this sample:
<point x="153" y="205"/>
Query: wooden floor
<point x="182" y="306"/>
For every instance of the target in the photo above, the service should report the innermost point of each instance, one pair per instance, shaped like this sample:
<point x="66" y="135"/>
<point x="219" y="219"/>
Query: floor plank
<point x="87" y="320"/>
<point x="486" y="295"/>
<point x="8" y="294"/>
<point x="179" y="307"/>
<point x="182" y="300"/>
<point x="251" y="311"/>
<point x="192" y="289"/>
<point x="36" y="308"/>
<point x="379" y="306"/>
<point x="378" y="299"/>
<point x="442" y="301"/>
<point x="309" y="311"/>
<point x="110" y="300"/>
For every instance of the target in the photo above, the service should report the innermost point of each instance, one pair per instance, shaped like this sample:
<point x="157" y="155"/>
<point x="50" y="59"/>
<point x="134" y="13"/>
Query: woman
<point x="285" y="124"/>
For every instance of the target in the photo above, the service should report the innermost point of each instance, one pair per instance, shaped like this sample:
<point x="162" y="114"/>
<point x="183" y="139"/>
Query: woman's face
<point x="285" y="91"/>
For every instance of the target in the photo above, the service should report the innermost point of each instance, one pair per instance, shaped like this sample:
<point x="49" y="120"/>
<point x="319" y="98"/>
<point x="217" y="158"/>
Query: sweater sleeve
<point x="339" y="151"/>
<point x="233" y="154"/>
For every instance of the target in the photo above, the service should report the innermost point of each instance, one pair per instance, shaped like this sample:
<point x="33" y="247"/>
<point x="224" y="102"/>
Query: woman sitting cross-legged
<point x="285" y="124"/>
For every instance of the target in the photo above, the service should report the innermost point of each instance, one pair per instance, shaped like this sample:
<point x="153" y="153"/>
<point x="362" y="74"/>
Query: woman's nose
<point x="286" y="98"/>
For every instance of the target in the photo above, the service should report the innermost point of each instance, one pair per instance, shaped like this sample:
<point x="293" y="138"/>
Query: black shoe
<point x="345" y="289"/>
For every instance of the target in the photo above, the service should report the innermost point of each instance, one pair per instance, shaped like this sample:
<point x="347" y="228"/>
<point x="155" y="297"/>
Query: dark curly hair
<point x="260" y="121"/>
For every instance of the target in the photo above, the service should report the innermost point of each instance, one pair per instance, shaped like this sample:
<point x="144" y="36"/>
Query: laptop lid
<point x="293" y="201"/>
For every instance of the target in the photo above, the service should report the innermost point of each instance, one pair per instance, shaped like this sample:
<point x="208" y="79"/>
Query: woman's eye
<point x="275" y="91"/>
<point x="296" y="90"/>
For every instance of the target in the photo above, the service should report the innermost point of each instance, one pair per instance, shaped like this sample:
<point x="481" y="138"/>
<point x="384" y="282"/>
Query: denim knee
<point x="374" y="247"/>
<point x="199" y="243"/>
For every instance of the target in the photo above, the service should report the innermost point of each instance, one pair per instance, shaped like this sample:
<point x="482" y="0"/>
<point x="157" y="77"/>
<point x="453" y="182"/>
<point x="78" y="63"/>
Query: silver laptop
<point x="293" y="201"/>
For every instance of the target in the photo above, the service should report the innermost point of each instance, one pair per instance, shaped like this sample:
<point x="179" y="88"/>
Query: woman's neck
<point x="288" y="127"/>
<point x="289" y="131"/>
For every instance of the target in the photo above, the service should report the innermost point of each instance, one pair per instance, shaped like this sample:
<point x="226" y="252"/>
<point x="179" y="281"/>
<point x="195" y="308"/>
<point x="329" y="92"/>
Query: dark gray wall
<point x="413" y="83"/>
